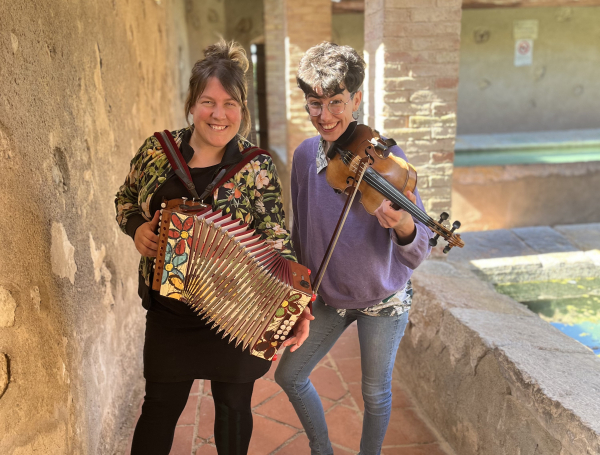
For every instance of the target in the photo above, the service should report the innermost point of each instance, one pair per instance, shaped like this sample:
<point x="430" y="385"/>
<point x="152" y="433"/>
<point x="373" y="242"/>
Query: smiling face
<point x="217" y="116"/>
<point x="331" y="126"/>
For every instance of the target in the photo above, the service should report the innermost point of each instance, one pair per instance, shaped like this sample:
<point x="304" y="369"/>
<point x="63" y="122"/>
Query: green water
<point x="572" y="306"/>
<point x="527" y="155"/>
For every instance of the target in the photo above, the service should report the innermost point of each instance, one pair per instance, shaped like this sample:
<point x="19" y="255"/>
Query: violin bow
<point x="360" y="172"/>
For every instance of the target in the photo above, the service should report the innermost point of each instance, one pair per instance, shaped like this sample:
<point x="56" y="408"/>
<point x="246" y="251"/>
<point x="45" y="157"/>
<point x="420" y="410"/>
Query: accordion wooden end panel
<point x="229" y="276"/>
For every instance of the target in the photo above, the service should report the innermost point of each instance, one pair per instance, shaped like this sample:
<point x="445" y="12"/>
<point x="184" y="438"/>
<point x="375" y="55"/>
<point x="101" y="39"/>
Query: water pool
<point x="570" y="305"/>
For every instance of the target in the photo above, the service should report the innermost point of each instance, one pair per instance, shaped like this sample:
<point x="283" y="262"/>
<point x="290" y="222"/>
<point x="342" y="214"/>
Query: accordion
<point x="228" y="275"/>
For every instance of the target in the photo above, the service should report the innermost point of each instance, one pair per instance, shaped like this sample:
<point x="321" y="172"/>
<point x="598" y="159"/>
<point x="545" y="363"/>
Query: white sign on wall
<point x="523" y="52"/>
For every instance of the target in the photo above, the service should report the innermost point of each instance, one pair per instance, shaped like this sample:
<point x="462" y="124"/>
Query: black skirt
<point x="180" y="346"/>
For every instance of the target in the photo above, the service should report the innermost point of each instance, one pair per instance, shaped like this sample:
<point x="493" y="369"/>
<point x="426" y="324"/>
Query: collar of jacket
<point x="232" y="153"/>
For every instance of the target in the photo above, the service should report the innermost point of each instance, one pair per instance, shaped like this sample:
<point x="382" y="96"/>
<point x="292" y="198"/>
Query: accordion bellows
<point x="229" y="276"/>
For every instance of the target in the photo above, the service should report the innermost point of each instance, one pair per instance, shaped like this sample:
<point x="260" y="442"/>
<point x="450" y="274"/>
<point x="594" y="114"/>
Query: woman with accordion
<point x="180" y="346"/>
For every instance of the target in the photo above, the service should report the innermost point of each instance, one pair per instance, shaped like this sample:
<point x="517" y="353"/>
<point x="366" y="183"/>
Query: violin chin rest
<point x="346" y="135"/>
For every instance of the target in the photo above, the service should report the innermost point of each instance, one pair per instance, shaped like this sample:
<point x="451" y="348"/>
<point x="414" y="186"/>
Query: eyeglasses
<point x="336" y="107"/>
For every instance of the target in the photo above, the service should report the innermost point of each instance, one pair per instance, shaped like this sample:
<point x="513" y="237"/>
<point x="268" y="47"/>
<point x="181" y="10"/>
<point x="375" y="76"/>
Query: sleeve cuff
<point x="418" y="249"/>
<point x="133" y="222"/>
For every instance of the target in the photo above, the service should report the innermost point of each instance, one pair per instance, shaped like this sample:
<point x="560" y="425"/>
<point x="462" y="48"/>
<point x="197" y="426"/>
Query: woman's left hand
<point x="300" y="330"/>
<point x="399" y="220"/>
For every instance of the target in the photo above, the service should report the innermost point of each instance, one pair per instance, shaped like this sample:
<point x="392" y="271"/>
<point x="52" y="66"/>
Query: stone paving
<point x="277" y="430"/>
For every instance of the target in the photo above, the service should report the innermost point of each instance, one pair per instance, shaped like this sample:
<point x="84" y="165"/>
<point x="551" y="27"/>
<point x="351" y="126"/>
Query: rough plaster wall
<point x="83" y="83"/>
<point x="558" y="91"/>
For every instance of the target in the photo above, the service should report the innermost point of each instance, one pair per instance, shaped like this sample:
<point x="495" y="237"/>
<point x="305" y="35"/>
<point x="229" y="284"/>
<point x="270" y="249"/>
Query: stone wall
<point x="493" y="377"/>
<point x="83" y="84"/>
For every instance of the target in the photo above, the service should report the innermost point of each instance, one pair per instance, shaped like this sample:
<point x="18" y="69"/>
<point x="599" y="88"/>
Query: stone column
<point x="275" y="54"/>
<point x="412" y="52"/>
<point x="291" y="27"/>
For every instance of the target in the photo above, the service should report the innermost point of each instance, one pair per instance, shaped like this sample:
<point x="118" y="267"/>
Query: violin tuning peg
<point x="443" y="217"/>
<point x="433" y="241"/>
<point x="447" y="249"/>
<point x="455" y="225"/>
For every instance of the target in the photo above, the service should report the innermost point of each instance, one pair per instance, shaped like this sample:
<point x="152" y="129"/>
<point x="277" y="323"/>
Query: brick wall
<point x="275" y="52"/>
<point x="290" y="29"/>
<point x="308" y="23"/>
<point x="412" y="52"/>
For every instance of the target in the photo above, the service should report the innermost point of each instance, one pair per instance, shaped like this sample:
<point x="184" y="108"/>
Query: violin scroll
<point x="449" y="235"/>
<point x="433" y="241"/>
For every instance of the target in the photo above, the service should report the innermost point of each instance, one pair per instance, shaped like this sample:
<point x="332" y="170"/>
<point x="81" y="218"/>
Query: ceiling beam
<point x="469" y="4"/>
<point x="358" y="6"/>
<point x="348" y="6"/>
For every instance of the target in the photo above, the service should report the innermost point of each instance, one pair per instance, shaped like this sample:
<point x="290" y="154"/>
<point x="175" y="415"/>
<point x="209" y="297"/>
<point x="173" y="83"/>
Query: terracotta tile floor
<point x="277" y="430"/>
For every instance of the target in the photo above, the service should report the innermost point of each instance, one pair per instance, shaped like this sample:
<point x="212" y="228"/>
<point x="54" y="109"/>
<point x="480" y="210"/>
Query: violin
<point x="386" y="177"/>
<point x="360" y="161"/>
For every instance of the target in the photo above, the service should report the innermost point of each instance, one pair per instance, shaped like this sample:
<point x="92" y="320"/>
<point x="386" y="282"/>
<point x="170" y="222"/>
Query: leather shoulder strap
<point x="176" y="160"/>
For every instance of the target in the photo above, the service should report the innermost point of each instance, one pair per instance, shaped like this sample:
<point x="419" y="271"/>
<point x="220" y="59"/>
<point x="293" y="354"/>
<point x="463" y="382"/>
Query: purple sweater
<point x="367" y="265"/>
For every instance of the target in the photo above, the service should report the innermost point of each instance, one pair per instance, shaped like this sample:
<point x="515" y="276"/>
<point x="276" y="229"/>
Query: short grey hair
<point x="328" y="68"/>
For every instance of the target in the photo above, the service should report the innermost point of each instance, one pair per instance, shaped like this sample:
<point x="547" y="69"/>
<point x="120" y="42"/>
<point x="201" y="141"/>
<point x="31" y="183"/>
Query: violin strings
<point x="382" y="185"/>
<point x="374" y="177"/>
<point x="430" y="222"/>
<point x="379" y="183"/>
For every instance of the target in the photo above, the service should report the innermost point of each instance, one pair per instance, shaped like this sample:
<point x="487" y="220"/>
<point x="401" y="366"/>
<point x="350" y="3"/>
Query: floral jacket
<point x="253" y="194"/>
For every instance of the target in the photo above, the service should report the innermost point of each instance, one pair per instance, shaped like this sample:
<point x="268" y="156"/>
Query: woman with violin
<point x="367" y="278"/>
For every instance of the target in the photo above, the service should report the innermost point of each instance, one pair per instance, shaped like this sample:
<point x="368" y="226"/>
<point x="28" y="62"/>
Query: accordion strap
<point x="183" y="172"/>
<point x="176" y="160"/>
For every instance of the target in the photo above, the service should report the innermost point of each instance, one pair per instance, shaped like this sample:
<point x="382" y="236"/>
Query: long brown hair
<point x="227" y="61"/>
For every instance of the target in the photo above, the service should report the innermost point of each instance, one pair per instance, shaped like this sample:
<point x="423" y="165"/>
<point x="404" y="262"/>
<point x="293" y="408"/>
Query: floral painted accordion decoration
<point x="229" y="276"/>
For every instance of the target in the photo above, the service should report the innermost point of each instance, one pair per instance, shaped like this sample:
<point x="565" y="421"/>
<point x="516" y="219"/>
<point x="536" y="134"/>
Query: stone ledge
<point x="491" y="375"/>
<point x="541" y="267"/>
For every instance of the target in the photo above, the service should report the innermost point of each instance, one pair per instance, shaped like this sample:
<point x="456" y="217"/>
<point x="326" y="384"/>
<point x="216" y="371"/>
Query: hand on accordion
<point x="146" y="239"/>
<point x="300" y="330"/>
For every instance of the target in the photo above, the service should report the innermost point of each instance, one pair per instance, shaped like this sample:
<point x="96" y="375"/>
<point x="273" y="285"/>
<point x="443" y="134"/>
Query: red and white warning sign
<point x="523" y="52"/>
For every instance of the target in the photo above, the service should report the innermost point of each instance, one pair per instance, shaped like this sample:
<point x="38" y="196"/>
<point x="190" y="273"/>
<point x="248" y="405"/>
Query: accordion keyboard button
<point x="279" y="332"/>
<point x="276" y="337"/>
<point x="282" y="338"/>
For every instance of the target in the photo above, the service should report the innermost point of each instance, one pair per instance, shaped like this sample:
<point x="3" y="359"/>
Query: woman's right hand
<point x="146" y="241"/>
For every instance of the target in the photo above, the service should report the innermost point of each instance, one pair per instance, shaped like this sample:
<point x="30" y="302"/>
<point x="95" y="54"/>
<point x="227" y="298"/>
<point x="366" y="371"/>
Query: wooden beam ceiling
<point x="358" y="6"/>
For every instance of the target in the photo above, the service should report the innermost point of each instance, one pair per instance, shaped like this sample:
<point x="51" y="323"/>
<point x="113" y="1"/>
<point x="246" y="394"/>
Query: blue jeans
<point x="379" y="337"/>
